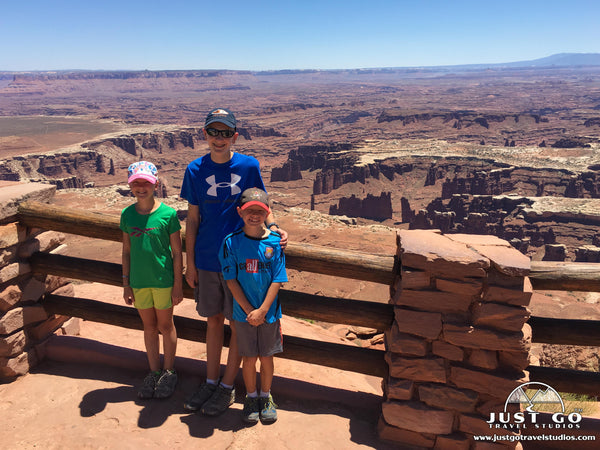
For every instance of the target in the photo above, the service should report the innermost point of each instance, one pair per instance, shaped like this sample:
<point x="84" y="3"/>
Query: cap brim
<point x="142" y="176"/>
<point x="256" y="203"/>
<point x="229" y="123"/>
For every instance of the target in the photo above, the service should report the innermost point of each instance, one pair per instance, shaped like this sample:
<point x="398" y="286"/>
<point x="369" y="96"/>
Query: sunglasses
<point x="225" y="133"/>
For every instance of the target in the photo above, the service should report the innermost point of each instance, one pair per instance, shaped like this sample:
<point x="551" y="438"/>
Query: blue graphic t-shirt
<point x="255" y="264"/>
<point x="215" y="189"/>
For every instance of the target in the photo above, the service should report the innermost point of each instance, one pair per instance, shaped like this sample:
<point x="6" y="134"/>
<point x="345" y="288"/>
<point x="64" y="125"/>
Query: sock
<point x="265" y="394"/>
<point x="252" y="394"/>
<point x="157" y="372"/>
<point x="226" y="386"/>
<point x="213" y="382"/>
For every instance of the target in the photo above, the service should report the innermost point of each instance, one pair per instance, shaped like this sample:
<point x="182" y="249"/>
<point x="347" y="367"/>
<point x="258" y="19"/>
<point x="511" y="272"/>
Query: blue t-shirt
<point x="215" y="189"/>
<point x="255" y="264"/>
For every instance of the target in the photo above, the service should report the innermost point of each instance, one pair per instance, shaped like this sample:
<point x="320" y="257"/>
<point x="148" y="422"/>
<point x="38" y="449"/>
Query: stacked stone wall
<point x="459" y="343"/>
<point x="24" y="324"/>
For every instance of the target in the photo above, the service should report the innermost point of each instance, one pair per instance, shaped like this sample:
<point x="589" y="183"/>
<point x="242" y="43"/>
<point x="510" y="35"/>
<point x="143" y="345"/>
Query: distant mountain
<point x="557" y="60"/>
<point x="560" y="59"/>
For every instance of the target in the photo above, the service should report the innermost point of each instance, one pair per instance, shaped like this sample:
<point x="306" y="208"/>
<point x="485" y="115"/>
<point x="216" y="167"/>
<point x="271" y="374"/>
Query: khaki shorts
<point x="263" y="340"/>
<point x="157" y="298"/>
<point x="212" y="295"/>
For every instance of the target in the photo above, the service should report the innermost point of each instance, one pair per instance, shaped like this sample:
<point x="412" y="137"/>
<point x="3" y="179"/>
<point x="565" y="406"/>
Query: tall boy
<point x="212" y="185"/>
<point x="253" y="266"/>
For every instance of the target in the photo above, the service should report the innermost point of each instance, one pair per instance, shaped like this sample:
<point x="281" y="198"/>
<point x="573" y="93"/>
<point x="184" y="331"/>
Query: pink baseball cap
<point x="144" y="170"/>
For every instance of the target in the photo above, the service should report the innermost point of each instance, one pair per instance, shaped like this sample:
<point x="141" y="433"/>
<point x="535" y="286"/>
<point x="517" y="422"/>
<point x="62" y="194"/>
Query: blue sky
<point x="289" y="34"/>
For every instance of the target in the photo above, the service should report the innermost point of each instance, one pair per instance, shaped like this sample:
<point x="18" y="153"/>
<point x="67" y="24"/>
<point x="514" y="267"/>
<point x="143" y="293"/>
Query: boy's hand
<point x="284" y="238"/>
<point x="176" y="295"/>
<point x="191" y="276"/>
<point x="256" y="317"/>
<point x="128" y="295"/>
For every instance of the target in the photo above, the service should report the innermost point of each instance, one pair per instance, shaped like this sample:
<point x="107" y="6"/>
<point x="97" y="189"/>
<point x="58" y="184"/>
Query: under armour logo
<point x="212" y="190"/>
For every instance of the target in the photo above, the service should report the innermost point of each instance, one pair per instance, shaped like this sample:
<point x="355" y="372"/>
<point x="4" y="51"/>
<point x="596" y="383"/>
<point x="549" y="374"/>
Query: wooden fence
<point x="315" y="259"/>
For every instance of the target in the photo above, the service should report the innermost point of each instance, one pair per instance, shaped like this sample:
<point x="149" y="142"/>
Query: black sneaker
<point x="200" y="397"/>
<point x="251" y="411"/>
<point x="218" y="403"/>
<point x="165" y="386"/>
<point x="148" y="385"/>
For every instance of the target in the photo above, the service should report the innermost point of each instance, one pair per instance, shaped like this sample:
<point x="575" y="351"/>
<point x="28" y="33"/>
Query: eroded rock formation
<point x="371" y="207"/>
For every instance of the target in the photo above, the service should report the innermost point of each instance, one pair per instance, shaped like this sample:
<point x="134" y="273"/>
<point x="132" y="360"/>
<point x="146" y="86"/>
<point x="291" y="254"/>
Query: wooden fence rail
<point x="347" y="357"/>
<point x="317" y="259"/>
<point x="297" y="304"/>
<point x="544" y="275"/>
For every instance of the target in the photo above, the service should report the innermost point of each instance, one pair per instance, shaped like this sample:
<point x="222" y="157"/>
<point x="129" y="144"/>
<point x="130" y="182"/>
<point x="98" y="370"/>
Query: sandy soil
<point x="88" y="400"/>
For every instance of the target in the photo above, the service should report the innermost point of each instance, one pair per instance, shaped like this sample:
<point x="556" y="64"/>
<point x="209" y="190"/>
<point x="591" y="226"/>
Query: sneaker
<point x="148" y="385"/>
<point x="199" y="398"/>
<point x="268" y="411"/>
<point x="218" y="403"/>
<point x="165" y="386"/>
<point x="251" y="412"/>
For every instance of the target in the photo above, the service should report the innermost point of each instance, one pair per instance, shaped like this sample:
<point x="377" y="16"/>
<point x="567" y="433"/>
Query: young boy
<point x="152" y="274"/>
<point x="253" y="266"/>
<point x="212" y="186"/>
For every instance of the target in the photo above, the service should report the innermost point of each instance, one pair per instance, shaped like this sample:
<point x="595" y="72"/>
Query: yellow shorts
<point x="158" y="298"/>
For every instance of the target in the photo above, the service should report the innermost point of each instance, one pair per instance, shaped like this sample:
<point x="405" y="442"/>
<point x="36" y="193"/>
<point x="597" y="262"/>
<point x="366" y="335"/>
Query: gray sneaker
<point x="218" y="403"/>
<point x="148" y="385"/>
<point x="198" y="398"/>
<point x="165" y="386"/>
<point x="268" y="409"/>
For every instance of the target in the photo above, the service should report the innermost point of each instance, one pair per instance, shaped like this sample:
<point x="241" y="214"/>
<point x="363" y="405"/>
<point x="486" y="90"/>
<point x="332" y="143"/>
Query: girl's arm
<point x="125" y="261"/>
<point x="177" y="292"/>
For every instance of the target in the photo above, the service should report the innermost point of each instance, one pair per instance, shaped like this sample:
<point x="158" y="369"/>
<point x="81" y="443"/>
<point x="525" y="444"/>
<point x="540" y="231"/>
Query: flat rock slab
<point x="13" y="194"/>
<point x="436" y="253"/>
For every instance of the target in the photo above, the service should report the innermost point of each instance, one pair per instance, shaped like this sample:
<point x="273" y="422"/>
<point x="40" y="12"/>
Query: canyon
<point x="459" y="150"/>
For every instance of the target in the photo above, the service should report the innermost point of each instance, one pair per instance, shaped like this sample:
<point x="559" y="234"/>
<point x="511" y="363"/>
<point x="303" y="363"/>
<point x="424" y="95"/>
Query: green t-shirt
<point x="151" y="261"/>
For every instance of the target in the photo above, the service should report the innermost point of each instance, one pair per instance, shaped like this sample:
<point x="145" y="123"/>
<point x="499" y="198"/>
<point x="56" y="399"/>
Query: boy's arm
<point x="239" y="296"/>
<point x="177" y="292"/>
<point x="192" y="222"/>
<point x="284" y="236"/>
<point x="125" y="261"/>
<point x="257" y="316"/>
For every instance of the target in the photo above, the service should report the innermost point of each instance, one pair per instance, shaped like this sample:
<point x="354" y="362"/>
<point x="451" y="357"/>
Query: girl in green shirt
<point x="152" y="274"/>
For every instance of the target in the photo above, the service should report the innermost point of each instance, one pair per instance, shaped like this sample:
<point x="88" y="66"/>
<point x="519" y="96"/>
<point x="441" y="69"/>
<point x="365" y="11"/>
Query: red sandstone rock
<point x="434" y="301"/>
<point x="495" y="385"/>
<point x="448" y="351"/>
<point x="405" y="344"/>
<point x="432" y="252"/>
<point x="9" y="297"/>
<point x="502" y="317"/>
<point x="482" y="338"/>
<point x="449" y="398"/>
<point x="417" y="369"/>
<point x="418" y="417"/>
<point x="394" y="434"/>
<point x="425" y="324"/>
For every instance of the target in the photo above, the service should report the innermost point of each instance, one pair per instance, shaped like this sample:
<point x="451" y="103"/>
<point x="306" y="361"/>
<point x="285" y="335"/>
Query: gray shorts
<point x="212" y="295"/>
<point x="263" y="340"/>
